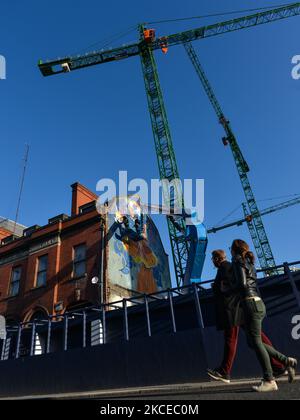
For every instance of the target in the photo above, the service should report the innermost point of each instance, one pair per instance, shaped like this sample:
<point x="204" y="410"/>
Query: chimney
<point x="4" y="233"/>
<point x="81" y="196"/>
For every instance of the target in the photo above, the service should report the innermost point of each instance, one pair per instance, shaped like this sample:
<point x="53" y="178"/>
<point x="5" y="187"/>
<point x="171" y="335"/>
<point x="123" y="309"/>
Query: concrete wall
<point x="162" y="359"/>
<point x="174" y="359"/>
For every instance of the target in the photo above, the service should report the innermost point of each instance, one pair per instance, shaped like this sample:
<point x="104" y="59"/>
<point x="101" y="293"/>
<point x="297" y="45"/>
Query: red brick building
<point x="48" y="270"/>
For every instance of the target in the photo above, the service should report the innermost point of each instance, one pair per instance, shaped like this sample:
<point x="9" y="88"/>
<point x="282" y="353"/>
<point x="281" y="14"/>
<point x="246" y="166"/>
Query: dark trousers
<point x="255" y="312"/>
<point x="231" y="337"/>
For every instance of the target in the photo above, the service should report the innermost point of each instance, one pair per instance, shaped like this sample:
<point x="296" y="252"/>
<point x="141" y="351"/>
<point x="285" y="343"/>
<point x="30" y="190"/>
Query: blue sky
<point x="90" y="124"/>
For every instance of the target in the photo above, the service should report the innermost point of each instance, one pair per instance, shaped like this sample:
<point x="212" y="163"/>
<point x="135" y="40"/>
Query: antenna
<point x="21" y="185"/>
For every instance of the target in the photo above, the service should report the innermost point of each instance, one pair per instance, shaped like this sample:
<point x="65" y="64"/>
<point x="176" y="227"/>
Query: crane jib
<point x="55" y="67"/>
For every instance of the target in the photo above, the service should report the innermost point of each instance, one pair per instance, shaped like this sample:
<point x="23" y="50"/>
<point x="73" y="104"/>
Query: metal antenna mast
<point x="25" y="160"/>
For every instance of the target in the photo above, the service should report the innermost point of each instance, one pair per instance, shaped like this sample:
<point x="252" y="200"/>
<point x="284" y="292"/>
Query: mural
<point x="136" y="257"/>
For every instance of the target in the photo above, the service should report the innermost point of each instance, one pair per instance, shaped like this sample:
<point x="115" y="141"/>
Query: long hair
<point x="241" y="248"/>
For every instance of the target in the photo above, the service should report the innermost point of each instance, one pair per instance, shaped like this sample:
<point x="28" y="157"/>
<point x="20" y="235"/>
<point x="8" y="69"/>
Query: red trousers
<point x="231" y="342"/>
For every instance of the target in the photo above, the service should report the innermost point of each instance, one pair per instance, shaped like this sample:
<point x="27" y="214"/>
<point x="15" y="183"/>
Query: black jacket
<point x="228" y="302"/>
<point x="245" y="278"/>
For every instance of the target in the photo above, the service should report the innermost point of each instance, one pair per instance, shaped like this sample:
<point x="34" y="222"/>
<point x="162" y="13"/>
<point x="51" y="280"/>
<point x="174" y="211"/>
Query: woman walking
<point x="245" y="281"/>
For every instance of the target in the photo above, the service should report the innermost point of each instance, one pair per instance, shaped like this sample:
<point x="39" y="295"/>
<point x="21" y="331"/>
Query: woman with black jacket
<point x="245" y="281"/>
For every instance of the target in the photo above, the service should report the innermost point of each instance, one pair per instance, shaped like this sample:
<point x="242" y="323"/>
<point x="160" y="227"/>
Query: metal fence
<point x="88" y="326"/>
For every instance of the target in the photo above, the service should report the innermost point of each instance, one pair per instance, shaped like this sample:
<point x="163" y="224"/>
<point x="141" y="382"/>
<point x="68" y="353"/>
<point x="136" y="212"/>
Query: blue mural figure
<point x="136" y="257"/>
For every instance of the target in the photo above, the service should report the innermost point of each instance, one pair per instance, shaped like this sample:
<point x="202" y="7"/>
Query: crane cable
<point x="105" y="42"/>
<point x="219" y="14"/>
<point x="108" y="40"/>
<point x="221" y="222"/>
<point x="280" y="198"/>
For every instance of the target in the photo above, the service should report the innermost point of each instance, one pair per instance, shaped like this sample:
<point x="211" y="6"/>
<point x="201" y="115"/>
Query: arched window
<point x="39" y="314"/>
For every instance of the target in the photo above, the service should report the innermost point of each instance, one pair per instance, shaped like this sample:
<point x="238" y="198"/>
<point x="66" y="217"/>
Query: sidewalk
<point x="179" y="390"/>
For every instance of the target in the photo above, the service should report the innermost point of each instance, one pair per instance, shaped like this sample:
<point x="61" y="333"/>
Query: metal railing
<point x="22" y="339"/>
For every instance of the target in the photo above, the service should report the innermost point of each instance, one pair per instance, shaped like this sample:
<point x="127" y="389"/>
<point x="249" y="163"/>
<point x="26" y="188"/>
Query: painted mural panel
<point x="137" y="260"/>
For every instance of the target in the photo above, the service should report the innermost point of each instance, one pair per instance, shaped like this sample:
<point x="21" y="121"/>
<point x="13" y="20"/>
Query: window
<point x="15" y="281"/>
<point x="79" y="261"/>
<point x="41" y="278"/>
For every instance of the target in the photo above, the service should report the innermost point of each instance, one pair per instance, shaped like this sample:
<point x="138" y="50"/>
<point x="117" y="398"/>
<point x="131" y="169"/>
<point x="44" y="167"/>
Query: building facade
<point x="51" y="269"/>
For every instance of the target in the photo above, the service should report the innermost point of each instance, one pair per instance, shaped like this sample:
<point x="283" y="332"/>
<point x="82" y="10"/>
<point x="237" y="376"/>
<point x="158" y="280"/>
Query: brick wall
<point x="57" y="241"/>
<point x="62" y="291"/>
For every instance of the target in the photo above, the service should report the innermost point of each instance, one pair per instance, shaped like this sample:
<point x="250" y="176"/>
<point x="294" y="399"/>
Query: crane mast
<point x="167" y="164"/>
<point x="256" y="226"/>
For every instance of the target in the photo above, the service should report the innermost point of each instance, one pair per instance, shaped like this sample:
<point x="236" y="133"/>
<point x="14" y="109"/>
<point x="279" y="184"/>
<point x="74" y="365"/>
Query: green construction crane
<point x="248" y="218"/>
<point x="256" y="226"/>
<point x="145" y="47"/>
<point x="164" y="150"/>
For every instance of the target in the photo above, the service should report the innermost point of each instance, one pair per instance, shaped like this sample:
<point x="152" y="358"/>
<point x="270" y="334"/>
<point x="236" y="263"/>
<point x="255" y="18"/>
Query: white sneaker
<point x="266" y="387"/>
<point x="291" y="368"/>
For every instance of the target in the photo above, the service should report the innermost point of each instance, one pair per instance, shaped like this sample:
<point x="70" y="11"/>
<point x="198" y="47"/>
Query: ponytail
<point x="250" y="256"/>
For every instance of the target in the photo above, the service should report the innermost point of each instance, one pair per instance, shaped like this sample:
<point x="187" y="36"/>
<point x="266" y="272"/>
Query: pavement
<point x="232" y="392"/>
<point x="237" y="390"/>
